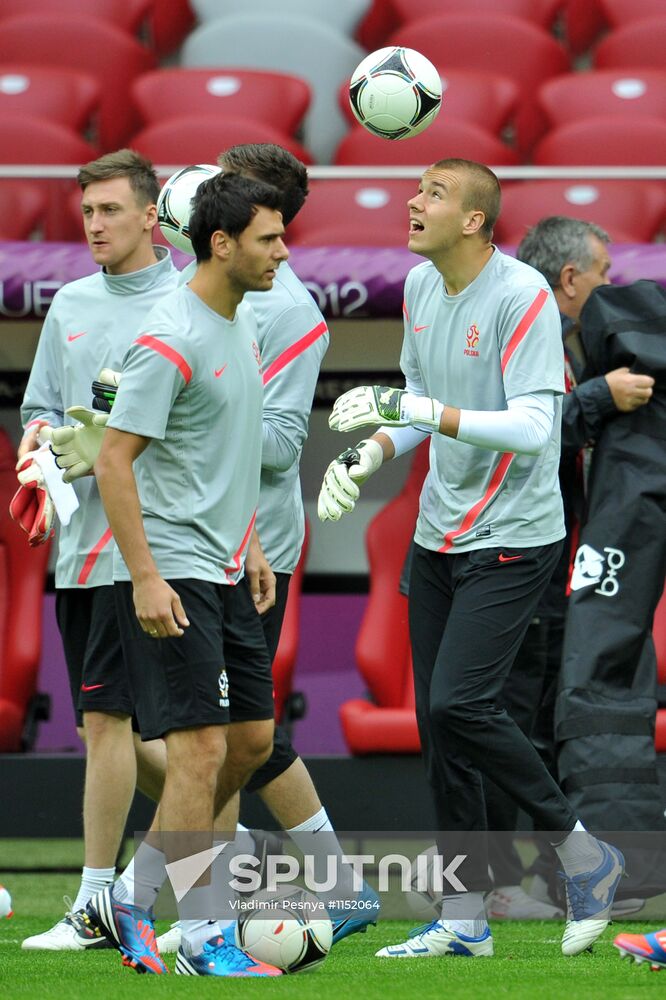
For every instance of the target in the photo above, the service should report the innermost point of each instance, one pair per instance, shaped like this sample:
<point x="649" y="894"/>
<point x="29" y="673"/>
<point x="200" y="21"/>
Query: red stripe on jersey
<point x="235" y="566"/>
<point x="294" y="350"/>
<point x="523" y="326"/>
<point x="472" y="514"/>
<point x="92" y="556"/>
<point x="147" y="340"/>
<point x="404" y="310"/>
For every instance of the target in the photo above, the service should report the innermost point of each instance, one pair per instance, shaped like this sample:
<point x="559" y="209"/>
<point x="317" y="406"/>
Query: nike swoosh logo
<point x="75" y="336"/>
<point x="91" y="687"/>
<point x="503" y="558"/>
<point x="417" y="329"/>
<point x="218" y="371"/>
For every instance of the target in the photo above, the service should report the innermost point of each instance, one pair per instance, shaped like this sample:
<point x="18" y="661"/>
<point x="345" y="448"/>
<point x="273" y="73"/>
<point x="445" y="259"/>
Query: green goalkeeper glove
<point x="76" y="446"/>
<point x="340" y="489"/>
<point x="383" y="406"/>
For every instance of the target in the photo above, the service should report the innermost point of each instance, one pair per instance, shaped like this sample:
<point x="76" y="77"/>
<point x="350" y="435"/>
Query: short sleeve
<point x="530" y="343"/>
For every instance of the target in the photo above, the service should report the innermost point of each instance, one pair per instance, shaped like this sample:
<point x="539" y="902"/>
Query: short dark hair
<point x="482" y="192"/>
<point x="138" y="170"/>
<point x="228" y="202"/>
<point x="558" y="240"/>
<point x="273" y="164"/>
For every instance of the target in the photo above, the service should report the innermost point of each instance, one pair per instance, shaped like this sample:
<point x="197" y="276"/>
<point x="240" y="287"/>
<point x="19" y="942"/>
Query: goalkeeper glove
<point x="340" y="489"/>
<point x="76" y="446"/>
<point x="104" y="389"/>
<point x="381" y="405"/>
<point x="31" y="506"/>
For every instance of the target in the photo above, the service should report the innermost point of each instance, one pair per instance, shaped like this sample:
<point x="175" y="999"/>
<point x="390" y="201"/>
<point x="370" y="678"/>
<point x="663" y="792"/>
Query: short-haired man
<point x="90" y="324"/>
<point x="182" y="523"/>
<point x="482" y="333"/>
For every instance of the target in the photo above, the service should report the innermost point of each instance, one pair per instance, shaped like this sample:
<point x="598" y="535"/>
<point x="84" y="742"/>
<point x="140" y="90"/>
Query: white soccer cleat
<point x="511" y="902"/>
<point x="590" y="899"/>
<point x="169" y="942"/>
<point x="75" y="932"/>
<point x="436" y="941"/>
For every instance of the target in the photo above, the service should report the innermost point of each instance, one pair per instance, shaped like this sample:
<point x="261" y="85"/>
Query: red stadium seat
<point x="23" y="206"/>
<point x="584" y="21"/>
<point x="287" y="651"/>
<point x="370" y="213"/>
<point x="605" y="140"/>
<point x="201" y="138"/>
<point x="640" y="44"/>
<point x="484" y="99"/>
<point x="659" y="636"/>
<point x="170" y="22"/>
<point x="65" y="96"/>
<point x="507" y="45"/>
<point x="541" y="12"/>
<point x="84" y="43"/>
<point x="442" y="139"/>
<point x="129" y="15"/>
<point x="632" y="211"/>
<point x="621" y="12"/>
<point x="377" y="25"/>
<point x="277" y="99"/>
<point x="22" y="581"/>
<point x="387" y="723"/>
<point x="604" y="92"/>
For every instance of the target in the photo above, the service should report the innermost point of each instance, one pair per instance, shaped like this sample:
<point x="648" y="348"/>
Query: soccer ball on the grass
<point x="175" y="202"/>
<point x="395" y="92"/>
<point x="293" y="932"/>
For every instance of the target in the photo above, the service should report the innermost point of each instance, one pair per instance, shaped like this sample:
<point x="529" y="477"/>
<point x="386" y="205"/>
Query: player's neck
<point x="216" y="291"/>
<point x="460" y="266"/>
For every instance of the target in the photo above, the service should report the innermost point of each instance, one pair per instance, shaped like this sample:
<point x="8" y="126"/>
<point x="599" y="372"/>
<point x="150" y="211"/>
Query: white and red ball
<point x="293" y="932"/>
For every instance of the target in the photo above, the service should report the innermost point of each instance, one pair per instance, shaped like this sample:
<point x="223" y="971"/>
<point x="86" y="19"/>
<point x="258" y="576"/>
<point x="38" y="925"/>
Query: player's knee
<point x="450" y="714"/>
<point x="254" y="749"/>
<point x="101" y="726"/>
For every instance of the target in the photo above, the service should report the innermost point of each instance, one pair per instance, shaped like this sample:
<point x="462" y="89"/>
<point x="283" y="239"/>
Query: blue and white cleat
<point x="129" y="929"/>
<point x="221" y="959"/>
<point x="362" y="913"/>
<point x="436" y="941"/>
<point x="644" y="948"/>
<point x="589" y="900"/>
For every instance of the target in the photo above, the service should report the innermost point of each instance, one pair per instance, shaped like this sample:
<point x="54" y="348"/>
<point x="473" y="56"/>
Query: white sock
<point x="92" y="880"/>
<point x="579" y="851"/>
<point x="195" y="933"/>
<point x="143" y="878"/>
<point x="457" y="913"/>
<point x="316" y="837"/>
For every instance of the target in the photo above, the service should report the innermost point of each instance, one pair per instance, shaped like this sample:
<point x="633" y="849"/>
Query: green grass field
<point x="527" y="963"/>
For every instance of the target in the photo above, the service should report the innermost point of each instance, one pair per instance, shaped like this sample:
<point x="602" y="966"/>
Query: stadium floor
<point x="527" y="962"/>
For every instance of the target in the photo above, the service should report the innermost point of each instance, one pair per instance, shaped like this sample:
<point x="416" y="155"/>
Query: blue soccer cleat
<point x="129" y="929"/>
<point x="589" y="900"/>
<point x="221" y="959"/>
<point x="362" y="912"/>
<point x="436" y="940"/>
<point x="644" y="948"/>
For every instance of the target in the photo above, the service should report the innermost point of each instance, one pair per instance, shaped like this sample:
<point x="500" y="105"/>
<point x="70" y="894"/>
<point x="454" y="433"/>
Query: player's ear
<point x="474" y="222"/>
<point x="151" y="216"/>
<point x="566" y="283"/>
<point x="220" y="244"/>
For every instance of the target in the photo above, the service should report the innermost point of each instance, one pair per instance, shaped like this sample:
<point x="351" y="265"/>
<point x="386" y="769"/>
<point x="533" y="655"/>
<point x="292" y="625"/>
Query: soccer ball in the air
<point x="175" y="200"/>
<point x="395" y="92"/>
<point x="293" y="932"/>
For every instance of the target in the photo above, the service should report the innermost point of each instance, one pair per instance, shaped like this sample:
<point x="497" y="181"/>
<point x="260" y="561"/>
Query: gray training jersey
<point x="498" y="338"/>
<point x="191" y="381"/>
<point x="293" y="338"/>
<point x="89" y="326"/>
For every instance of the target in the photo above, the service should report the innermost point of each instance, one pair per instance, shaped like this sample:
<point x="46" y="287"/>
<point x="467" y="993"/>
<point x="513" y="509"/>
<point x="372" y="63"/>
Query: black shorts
<point x="217" y="672"/>
<point x="88" y="624"/>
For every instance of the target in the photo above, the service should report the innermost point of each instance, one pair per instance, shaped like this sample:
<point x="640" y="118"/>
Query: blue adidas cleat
<point x="129" y="929"/>
<point x="589" y="900"/>
<point x="436" y="940"/>
<point x="221" y="959"/>
<point x="361" y="913"/>
<point x="644" y="948"/>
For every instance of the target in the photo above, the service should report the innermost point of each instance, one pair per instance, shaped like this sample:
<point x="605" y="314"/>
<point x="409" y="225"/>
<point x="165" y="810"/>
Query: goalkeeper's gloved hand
<point x="383" y="406"/>
<point x="104" y="389"/>
<point x="340" y="489"/>
<point x="31" y="506"/>
<point x="76" y="446"/>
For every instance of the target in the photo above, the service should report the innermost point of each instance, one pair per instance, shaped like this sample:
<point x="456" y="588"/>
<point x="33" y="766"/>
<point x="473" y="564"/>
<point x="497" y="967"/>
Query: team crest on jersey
<point x="223" y="683"/>
<point x="257" y="355"/>
<point x="472" y="339"/>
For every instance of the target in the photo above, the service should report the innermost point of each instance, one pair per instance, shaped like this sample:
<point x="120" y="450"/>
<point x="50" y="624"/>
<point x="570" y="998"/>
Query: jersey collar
<point x="139" y="281"/>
